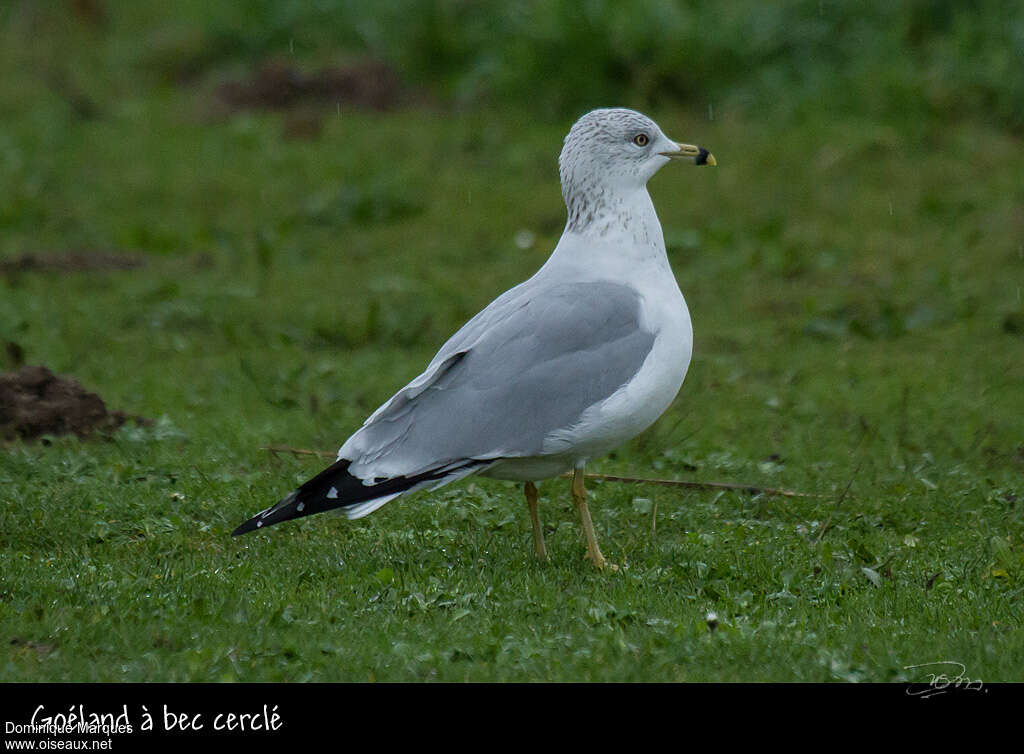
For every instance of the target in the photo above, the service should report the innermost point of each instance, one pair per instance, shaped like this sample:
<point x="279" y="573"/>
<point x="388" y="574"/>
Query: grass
<point x="855" y="286"/>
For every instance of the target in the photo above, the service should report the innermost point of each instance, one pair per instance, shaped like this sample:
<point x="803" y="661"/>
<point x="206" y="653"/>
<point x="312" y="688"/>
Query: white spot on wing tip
<point x="299" y="507"/>
<point x="332" y="494"/>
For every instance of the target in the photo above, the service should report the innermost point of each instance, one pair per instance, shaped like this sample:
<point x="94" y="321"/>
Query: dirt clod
<point x="72" y="261"/>
<point x="278" y="86"/>
<point x="35" y="402"/>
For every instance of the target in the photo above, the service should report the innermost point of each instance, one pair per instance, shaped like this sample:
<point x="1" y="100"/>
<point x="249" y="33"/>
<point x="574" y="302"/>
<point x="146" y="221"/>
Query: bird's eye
<point x="641" y="140"/>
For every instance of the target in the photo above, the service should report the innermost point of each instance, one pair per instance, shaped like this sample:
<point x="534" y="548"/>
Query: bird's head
<point x="612" y="148"/>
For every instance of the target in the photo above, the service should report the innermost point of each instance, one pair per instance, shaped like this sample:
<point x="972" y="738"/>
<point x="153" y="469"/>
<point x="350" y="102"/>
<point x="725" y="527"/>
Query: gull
<point x="559" y="370"/>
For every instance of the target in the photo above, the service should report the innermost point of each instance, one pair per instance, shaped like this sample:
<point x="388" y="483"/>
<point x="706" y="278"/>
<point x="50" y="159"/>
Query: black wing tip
<point x="335" y="487"/>
<point x="311" y="497"/>
<point x="281" y="511"/>
<point x="251" y="525"/>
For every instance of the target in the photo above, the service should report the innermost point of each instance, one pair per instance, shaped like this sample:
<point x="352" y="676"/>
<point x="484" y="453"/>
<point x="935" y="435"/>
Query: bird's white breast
<point x="625" y="245"/>
<point x="636" y="405"/>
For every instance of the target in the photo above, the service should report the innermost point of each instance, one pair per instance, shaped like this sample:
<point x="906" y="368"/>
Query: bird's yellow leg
<point x="579" y="497"/>
<point x="530" y="490"/>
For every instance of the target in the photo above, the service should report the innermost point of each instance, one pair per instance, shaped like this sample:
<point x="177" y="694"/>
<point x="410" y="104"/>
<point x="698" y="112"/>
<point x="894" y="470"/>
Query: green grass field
<point x="855" y="283"/>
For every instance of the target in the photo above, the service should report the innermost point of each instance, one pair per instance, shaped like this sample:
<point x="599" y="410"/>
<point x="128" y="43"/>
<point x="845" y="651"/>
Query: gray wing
<point x="528" y="365"/>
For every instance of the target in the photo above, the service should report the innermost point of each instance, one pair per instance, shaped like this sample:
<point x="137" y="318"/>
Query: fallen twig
<point x="752" y="489"/>
<point x="275" y="449"/>
<point x="698" y="485"/>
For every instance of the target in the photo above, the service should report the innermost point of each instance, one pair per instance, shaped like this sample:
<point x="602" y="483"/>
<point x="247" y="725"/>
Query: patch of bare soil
<point x="35" y="402"/>
<point x="23" y="647"/>
<point x="73" y="261"/>
<point x="276" y="85"/>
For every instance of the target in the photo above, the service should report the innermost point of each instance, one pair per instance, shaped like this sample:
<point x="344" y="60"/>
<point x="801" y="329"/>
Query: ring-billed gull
<point x="560" y="369"/>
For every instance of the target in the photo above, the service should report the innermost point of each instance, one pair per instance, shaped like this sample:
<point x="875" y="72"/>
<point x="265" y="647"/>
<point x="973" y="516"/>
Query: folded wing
<point x="496" y="389"/>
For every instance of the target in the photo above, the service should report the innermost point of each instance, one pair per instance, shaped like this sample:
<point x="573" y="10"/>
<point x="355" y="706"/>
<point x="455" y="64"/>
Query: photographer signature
<point x="941" y="682"/>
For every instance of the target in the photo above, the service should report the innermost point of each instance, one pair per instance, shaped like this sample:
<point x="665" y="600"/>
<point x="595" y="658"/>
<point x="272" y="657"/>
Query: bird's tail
<point x="335" y="487"/>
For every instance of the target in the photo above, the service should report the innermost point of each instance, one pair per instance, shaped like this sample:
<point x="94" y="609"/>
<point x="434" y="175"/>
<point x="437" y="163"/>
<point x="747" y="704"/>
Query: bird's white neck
<point x="618" y="223"/>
